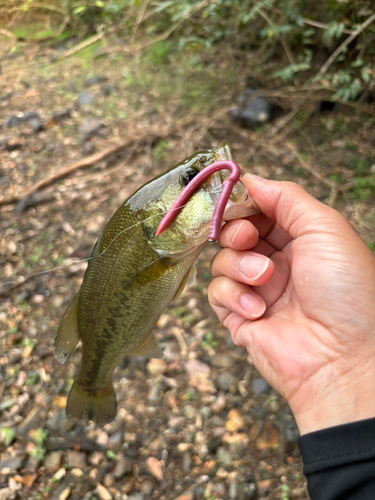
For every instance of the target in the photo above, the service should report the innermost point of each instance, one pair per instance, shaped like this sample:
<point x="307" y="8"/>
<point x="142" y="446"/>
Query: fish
<point x="133" y="275"/>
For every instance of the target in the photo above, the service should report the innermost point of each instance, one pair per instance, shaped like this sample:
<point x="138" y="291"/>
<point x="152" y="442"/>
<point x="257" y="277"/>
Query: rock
<point x="84" y="98"/>
<point x="186" y="462"/>
<point x="289" y="430"/>
<point x="123" y="466"/>
<point x="195" y="366"/>
<point x="252" y="112"/>
<point x="266" y="437"/>
<point x="136" y="496"/>
<point x="36" y="125"/>
<point x="94" y="80"/>
<point x="115" y="441"/>
<point x="7" y="494"/>
<point x="190" y="412"/>
<point x="102" y="492"/>
<point x="13" y="121"/>
<point x="12" y="464"/>
<point x="214" y="443"/>
<point x="52" y="460"/>
<point x="35" y="199"/>
<point x="188" y="495"/>
<point x="147" y="488"/>
<point x="237" y="443"/>
<point x="76" y="459"/>
<point x="264" y="487"/>
<point x="108" y="89"/>
<point x="155" y="467"/>
<point x="234" y="421"/>
<point x="59" y="116"/>
<point x="247" y="491"/>
<point x="221" y="360"/>
<point x="32" y="464"/>
<point x="156" y="367"/>
<point x="260" y="386"/>
<point x="31" y="115"/>
<point x="223" y="457"/>
<point x="225" y="380"/>
<point x="89" y="129"/>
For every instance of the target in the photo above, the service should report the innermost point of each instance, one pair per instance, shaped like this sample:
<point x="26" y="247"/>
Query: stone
<point x="12" y="463"/>
<point x="36" y="125"/>
<point x="188" y="495"/>
<point x="115" y="441"/>
<point x="7" y="494"/>
<point x="123" y="466"/>
<point x="223" y="457"/>
<point x="147" y="488"/>
<point x="84" y="98"/>
<point x="89" y="129"/>
<point x="156" y="367"/>
<point x="234" y="421"/>
<point x="246" y="491"/>
<point x="102" y="492"/>
<point x="107" y="90"/>
<point x="186" y="462"/>
<point x="260" y="386"/>
<point x="195" y="366"/>
<point x="225" y="380"/>
<point x="221" y="360"/>
<point x="252" y="112"/>
<point x="190" y="412"/>
<point x="59" y="116"/>
<point x="94" y="80"/>
<point x="264" y="486"/>
<point x="289" y="430"/>
<point x="76" y="459"/>
<point x="52" y="460"/>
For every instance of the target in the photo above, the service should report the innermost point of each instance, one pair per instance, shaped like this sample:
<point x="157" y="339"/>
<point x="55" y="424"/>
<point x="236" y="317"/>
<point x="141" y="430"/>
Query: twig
<point x="81" y="45"/>
<point x="9" y="34"/>
<point x="323" y="26"/>
<point x="139" y="19"/>
<point x="82" y="163"/>
<point x="341" y="47"/>
<point x="281" y="38"/>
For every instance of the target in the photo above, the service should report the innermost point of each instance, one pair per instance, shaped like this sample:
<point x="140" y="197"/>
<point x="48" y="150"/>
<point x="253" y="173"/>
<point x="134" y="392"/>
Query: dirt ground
<point x="201" y="423"/>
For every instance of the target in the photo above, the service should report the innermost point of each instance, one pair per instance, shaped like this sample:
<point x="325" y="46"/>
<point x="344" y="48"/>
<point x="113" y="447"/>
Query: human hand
<point x="310" y="325"/>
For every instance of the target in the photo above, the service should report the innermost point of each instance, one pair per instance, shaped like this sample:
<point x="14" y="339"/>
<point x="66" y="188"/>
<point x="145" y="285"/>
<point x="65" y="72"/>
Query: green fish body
<point x="132" y="276"/>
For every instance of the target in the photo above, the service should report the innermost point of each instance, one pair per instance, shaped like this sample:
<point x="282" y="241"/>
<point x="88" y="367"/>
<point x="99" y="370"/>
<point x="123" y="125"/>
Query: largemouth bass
<point x="133" y="275"/>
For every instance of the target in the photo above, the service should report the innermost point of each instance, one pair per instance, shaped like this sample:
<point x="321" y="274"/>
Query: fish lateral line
<point x="183" y="197"/>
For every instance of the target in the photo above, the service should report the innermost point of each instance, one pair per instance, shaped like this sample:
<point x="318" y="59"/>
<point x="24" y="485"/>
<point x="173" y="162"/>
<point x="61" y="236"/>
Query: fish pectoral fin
<point x="191" y="276"/>
<point x="148" y="348"/>
<point x="188" y="279"/>
<point x="67" y="337"/>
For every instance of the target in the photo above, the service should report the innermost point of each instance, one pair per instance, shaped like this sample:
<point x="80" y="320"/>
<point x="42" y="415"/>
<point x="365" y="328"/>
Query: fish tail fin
<point x="99" y="406"/>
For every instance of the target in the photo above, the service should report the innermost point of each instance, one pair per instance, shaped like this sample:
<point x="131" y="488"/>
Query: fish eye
<point x="189" y="175"/>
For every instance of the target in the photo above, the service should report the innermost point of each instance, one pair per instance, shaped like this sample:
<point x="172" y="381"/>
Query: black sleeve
<point x="339" y="462"/>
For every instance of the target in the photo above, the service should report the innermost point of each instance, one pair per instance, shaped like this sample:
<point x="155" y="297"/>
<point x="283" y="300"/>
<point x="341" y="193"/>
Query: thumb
<point x="287" y="203"/>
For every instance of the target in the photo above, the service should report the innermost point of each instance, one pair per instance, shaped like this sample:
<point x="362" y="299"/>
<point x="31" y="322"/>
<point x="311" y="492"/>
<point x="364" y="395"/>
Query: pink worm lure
<point x="217" y="217"/>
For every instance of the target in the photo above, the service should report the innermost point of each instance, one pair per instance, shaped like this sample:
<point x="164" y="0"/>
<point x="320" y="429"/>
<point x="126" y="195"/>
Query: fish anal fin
<point x="67" y="337"/>
<point x="99" y="406"/>
<point x="148" y="348"/>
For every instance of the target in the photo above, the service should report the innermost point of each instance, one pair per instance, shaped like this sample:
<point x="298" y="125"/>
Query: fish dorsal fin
<point x="67" y="336"/>
<point x="148" y="348"/>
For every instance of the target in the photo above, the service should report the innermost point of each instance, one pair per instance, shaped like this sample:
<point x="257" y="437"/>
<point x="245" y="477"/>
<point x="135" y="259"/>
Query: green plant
<point x="9" y="435"/>
<point x="39" y="437"/>
<point x="209" y="342"/>
<point x="284" y="492"/>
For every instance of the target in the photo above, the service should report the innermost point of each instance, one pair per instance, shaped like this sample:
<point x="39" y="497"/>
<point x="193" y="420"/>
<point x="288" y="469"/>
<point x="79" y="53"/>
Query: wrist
<point x="342" y="400"/>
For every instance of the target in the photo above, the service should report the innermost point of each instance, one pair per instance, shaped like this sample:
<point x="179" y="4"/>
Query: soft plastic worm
<point x="217" y="217"/>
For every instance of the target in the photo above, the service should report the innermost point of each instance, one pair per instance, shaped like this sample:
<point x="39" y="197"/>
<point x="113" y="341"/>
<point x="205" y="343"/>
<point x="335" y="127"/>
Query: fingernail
<point x="233" y="231"/>
<point x="255" y="177"/>
<point x="254" y="266"/>
<point x="252" y="304"/>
